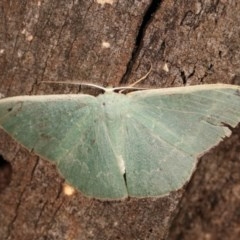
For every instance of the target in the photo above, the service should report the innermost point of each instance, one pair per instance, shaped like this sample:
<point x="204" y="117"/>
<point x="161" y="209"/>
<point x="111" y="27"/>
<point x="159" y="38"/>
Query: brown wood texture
<point x="112" y="43"/>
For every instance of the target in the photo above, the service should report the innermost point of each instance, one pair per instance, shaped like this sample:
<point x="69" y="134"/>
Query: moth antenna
<point x="142" y="78"/>
<point x="131" y="86"/>
<point x="79" y="83"/>
<point x="139" y="80"/>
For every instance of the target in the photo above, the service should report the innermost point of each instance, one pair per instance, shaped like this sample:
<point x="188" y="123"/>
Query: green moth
<point x="141" y="144"/>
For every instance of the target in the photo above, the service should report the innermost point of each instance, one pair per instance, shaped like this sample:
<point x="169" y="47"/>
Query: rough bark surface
<point x="112" y="42"/>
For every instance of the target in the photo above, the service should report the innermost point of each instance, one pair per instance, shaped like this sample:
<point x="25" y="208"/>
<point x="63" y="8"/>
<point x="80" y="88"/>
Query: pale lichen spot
<point x="198" y="6"/>
<point x="68" y="190"/>
<point x="2" y="51"/>
<point x="23" y="31"/>
<point x="19" y="53"/>
<point x="102" y="2"/>
<point x="165" y="67"/>
<point x="106" y="44"/>
<point x="28" y="36"/>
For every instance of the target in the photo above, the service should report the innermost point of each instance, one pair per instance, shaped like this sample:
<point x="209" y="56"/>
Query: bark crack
<point x="10" y="226"/>
<point x="147" y="18"/>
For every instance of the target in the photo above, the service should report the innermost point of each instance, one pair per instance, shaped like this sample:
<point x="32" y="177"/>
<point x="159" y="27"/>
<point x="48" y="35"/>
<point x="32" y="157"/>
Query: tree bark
<point x="112" y="43"/>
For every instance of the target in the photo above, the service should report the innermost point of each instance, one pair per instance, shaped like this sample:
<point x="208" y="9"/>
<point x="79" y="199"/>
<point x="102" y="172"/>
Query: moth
<point x="142" y="144"/>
